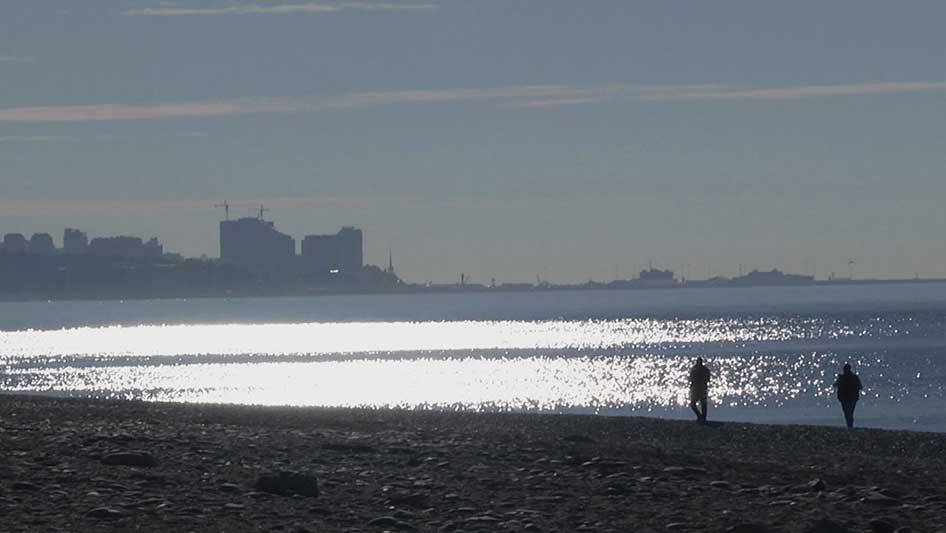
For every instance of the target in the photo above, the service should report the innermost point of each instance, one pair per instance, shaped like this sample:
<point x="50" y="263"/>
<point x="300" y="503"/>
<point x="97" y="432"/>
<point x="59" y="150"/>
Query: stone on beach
<point x="879" y="525"/>
<point x="288" y="483"/>
<point x="105" y="513"/>
<point x="748" y="528"/>
<point x="133" y="458"/>
<point x="25" y="486"/>
<point x="827" y="526"/>
<point x="389" y="522"/>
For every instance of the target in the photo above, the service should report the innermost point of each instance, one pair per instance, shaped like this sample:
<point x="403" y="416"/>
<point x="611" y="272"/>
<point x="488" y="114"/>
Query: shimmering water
<point x="773" y="351"/>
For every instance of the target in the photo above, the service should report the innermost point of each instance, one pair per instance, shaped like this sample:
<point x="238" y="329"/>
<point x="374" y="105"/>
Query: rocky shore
<point x="87" y="465"/>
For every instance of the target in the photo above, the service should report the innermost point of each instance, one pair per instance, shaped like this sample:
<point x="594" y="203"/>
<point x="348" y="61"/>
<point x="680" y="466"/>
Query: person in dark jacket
<point x="699" y="389"/>
<point x="849" y="389"/>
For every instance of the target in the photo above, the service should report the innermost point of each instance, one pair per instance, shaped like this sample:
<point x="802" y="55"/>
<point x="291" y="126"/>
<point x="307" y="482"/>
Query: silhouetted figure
<point x="849" y="391"/>
<point x="699" y="389"/>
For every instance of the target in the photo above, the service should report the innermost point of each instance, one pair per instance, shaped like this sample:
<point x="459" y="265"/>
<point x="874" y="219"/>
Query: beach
<point x="110" y="465"/>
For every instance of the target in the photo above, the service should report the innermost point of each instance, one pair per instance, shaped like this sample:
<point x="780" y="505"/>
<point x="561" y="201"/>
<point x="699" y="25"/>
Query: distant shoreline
<point x="275" y="292"/>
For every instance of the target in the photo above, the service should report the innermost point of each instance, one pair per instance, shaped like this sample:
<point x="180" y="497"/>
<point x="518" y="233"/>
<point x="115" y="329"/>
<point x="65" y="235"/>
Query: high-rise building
<point x="342" y="252"/>
<point x="350" y="249"/>
<point x="15" y="243"/>
<point x="319" y="253"/>
<point x="74" y="242"/>
<point x="255" y="244"/>
<point x="152" y="249"/>
<point x="125" y="247"/>
<point x="42" y="244"/>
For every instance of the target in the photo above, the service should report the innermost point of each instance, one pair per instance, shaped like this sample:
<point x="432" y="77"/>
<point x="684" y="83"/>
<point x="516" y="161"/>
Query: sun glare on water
<point x="596" y="365"/>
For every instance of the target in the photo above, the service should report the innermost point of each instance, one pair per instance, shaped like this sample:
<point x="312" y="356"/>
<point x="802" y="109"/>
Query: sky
<point x="498" y="138"/>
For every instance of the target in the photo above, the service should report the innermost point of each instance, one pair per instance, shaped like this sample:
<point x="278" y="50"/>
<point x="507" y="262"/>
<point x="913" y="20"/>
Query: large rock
<point x="383" y="521"/>
<point x="879" y="499"/>
<point x="133" y="458"/>
<point x="391" y="523"/>
<point x="286" y="483"/>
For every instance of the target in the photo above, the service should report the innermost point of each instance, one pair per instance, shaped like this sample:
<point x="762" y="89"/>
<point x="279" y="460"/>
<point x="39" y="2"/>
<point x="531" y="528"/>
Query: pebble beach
<point x="110" y="465"/>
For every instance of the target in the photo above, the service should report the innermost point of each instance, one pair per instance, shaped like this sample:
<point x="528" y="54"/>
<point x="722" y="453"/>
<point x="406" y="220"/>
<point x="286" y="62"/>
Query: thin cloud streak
<point x="530" y="96"/>
<point x="86" y="113"/>
<point x="805" y="91"/>
<point x="557" y="102"/>
<point x="102" y="112"/>
<point x="611" y="93"/>
<point x="27" y="207"/>
<point x="722" y="92"/>
<point x="16" y="59"/>
<point x="308" y="8"/>
<point x="36" y="138"/>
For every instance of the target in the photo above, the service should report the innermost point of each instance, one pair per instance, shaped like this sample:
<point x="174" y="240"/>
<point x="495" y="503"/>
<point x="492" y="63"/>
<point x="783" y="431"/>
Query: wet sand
<point x="92" y="465"/>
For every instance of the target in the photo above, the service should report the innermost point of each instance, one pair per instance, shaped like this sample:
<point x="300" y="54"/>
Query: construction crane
<point x="226" y="209"/>
<point x="261" y="211"/>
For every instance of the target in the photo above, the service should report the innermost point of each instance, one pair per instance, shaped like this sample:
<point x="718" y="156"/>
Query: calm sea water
<point x="773" y="351"/>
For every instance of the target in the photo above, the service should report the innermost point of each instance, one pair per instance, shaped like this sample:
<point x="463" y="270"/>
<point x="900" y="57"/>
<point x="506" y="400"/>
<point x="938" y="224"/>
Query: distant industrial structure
<point x="653" y="278"/>
<point x="772" y="277"/>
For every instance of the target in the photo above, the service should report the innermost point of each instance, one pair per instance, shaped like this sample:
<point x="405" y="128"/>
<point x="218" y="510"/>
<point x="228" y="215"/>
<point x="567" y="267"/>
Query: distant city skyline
<point x="343" y="251"/>
<point x="499" y="139"/>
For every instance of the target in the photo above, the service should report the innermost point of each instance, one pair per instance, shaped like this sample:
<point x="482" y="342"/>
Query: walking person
<point x="849" y="389"/>
<point x="699" y="389"/>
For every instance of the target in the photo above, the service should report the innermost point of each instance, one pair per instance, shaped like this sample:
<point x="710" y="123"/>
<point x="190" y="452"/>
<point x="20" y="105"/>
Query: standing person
<point x="699" y="389"/>
<point x="849" y="391"/>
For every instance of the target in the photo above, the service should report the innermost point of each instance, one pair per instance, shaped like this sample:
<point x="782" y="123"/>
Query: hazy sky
<point x="505" y="138"/>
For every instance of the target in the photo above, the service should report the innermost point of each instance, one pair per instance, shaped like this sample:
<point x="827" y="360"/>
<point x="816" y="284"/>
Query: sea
<point x="773" y="352"/>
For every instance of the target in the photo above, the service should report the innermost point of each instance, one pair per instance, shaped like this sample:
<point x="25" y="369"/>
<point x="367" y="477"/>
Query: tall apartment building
<point x="342" y="252"/>
<point x="42" y="244"/>
<point x="74" y="242"/>
<point x="126" y="247"/>
<point x="15" y="243"/>
<point x="256" y="244"/>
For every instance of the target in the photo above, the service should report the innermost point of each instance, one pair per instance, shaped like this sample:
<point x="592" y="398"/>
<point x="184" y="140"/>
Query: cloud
<point x="202" y="135"/>
<point x="95" y="112"/>
<point x="102" y="112"/>
<point x="557" y="102"/>
<point x="611" y="93"/>
<point x="238" y="207"/>
<point x="528" y="96"/>
<point x="102" y="137"/>
<point x="307" y="8"/>
<point x="7" y="58"/>
<point x="802" y="91"/>
<point x="36" y="138"/>
<point x="723" y="92"/>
